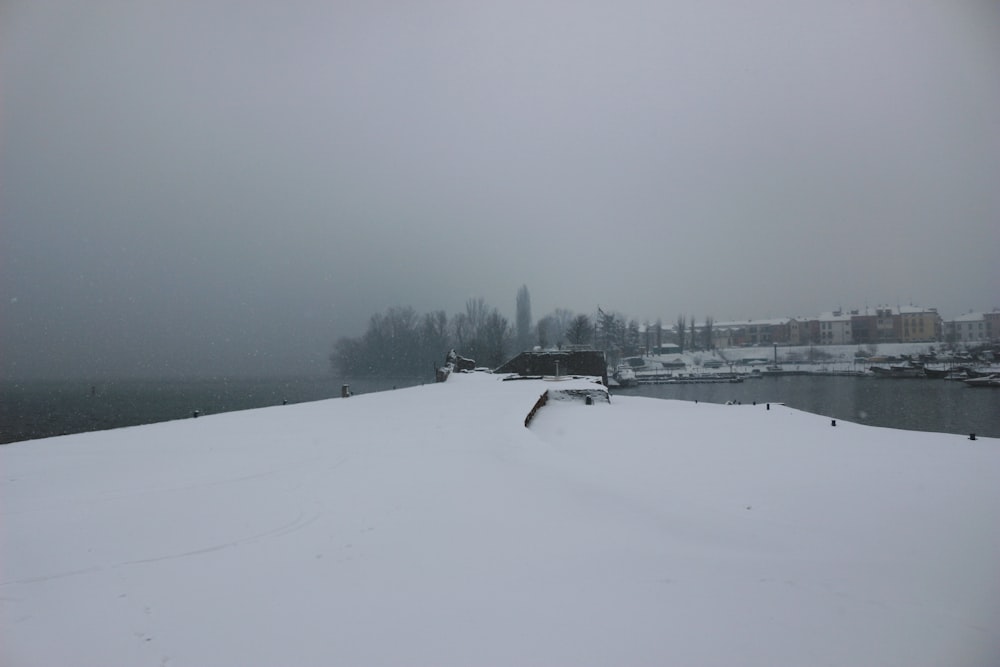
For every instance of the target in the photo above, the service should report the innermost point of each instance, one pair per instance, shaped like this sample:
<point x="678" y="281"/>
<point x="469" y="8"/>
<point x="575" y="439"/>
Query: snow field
<point x="429" y="526"/>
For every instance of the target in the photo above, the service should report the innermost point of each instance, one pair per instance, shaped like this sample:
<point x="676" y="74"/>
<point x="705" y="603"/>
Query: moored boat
<point x="775" y="371"/>
<point x="625" y="376"/>
<point x="981" y="372"/>
<point x="992" y="380"/>
<point x="907" y="370"/>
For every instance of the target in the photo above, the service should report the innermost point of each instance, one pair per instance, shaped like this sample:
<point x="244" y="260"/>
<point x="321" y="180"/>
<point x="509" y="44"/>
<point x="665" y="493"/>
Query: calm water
<point x="915" y="404"/>
<point x="41" y="409"/>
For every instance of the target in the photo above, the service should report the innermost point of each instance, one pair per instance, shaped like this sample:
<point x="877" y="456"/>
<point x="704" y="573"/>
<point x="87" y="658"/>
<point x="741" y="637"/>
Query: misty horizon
<point x="227" y="189"/>
<point x="327" y="364"/>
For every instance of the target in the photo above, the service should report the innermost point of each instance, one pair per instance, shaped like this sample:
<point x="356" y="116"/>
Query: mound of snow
<point x="429" y="526"/>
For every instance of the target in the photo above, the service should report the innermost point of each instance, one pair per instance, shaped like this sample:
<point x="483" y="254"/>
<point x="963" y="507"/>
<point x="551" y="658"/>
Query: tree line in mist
<point x="404" y="343"/>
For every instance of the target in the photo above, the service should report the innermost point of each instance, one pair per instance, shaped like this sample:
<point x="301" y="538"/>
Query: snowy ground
<point x="428" y="526"/>
<point x="832" y="356"/>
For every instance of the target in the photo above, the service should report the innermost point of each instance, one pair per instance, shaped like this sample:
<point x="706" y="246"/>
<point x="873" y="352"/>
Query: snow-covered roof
<point x="915" y="310"/>
<point x="895" y="310"/>
<point x="970" y="317"/>
<point x="430" y="526"/>
<point x="736" y="324"/>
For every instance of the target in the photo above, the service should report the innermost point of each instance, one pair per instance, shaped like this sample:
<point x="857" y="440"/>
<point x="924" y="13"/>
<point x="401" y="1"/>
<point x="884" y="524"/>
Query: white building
<point x="968" y="328"/>
<point x="835" y="329"/>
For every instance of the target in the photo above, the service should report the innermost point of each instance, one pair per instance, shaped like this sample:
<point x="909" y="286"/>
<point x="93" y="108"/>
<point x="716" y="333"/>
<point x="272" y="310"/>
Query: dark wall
<point x="576" y="362"/>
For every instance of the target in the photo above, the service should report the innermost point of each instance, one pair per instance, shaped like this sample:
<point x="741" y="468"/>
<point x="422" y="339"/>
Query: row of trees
<point x="693" y="338"/>
<point x="403" y="343"/>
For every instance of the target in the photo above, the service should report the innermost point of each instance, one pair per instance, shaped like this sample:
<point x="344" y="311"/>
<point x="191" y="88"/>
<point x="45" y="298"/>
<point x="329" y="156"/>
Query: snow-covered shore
<point x="429" y="526"/>
<point x="819" y="356"/>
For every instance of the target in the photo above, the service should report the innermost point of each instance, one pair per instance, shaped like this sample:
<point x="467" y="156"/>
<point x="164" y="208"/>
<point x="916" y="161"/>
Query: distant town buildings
<point x="973" y="328"/>
<point x="869" y="326"/>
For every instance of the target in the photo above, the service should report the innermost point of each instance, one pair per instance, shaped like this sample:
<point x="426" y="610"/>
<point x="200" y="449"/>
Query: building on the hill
<point x="835" y="328"/>
<point x="919" y="325"/>
<point x="906" y="324"/>
<point x="969" y="328"/>
<point x="992" y="325"/>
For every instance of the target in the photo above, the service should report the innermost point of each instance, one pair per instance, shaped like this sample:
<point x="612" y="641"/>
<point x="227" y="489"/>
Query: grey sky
<point x="226" y="187"/>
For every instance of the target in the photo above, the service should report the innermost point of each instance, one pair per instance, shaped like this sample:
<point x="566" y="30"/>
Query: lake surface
<point x="39" y="409"/>
<point x="916" y="404"/>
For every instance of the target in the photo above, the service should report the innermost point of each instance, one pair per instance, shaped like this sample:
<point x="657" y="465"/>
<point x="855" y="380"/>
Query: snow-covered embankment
<point x="429" y="526"/>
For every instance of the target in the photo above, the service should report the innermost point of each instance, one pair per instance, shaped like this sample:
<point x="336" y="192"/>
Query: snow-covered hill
<point x="429" y="526"/>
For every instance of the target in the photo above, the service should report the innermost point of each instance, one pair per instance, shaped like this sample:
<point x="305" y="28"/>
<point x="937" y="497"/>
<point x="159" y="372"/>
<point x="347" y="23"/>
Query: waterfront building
<point x="968" y="328"/>
<point x="874" y="326"/>
<point x="918" y="325"/>
<point x="751" y="332"/>
<point x="864" y="328"/>
<point x="992" y="324"/>
<point x="867" y="326"/>
<point x="904" y="324"/>
<point x="798" y="331"/>
<point x="835" y="328"/>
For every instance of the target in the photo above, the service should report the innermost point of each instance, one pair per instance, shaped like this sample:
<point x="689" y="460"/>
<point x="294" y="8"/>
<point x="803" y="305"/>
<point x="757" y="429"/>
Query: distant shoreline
<point x="43" y="408"/>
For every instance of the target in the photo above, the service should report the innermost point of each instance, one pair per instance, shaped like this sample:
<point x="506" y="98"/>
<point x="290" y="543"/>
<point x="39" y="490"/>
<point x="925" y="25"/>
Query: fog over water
<point x="222" y="187"/>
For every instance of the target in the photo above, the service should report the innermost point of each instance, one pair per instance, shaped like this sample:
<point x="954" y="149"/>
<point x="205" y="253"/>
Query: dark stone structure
<point x="454" y="363"/>
<point x="558" y="362"/>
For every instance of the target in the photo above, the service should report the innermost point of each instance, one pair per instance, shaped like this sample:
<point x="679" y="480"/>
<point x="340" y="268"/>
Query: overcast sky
<point x="217" y="186"/>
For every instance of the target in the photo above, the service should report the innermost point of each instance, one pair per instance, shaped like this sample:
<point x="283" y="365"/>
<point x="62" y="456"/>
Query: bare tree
<point x="562" y="318"/>
<point x="461" y="332"/>
<point x="468" y="328"/>
<point x="580" y="331"/>
<point x="476" y="311"/>
<point x="681" y="331"/>
<point x="348" y="357"/>
<point x="543" y="332"/>
<point x="707" y="335"/>
<point x="391" y="346"/>
<point x="496" y="335"/>
<point x="552" y="328"/>
<point x="523" y="318"/>
<point x="434" y="338"/>
<point x="633" y="341"/>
